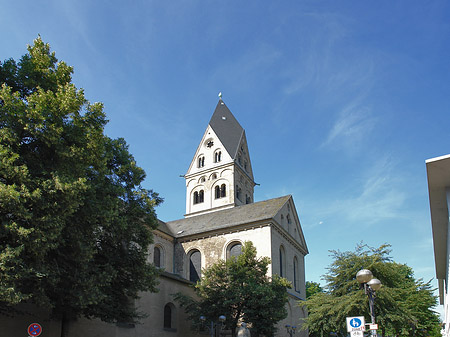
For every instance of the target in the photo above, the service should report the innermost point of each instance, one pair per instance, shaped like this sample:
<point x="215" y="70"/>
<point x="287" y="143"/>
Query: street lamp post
<point x="290" y="329"/>
<point x="212" y="328"/>
<point x="371" y="285"/>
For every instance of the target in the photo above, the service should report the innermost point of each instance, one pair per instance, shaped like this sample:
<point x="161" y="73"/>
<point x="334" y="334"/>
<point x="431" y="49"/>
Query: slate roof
<point x="227" y="218"/>
<point x="227" y="128"/>
<point x="163" y="228"/>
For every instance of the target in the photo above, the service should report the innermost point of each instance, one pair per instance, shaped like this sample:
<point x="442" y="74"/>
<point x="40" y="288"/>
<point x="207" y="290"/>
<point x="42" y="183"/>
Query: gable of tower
<point x="210" y="153"/>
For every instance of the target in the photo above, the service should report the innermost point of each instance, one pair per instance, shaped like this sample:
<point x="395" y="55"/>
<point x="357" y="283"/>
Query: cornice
<point x="209" y="170"/>
<point x="175" y="277"/>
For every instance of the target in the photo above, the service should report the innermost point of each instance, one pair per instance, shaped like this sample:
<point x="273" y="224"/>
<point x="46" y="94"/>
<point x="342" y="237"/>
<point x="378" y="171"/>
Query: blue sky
<point x="342" y="101"/>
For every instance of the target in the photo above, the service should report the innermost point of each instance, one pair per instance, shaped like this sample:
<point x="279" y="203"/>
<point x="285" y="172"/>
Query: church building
<point x="221" y="215"/>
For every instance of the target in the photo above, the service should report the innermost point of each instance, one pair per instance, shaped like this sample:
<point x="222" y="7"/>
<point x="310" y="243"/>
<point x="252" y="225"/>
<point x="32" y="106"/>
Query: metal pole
<point x="370" y="294"/>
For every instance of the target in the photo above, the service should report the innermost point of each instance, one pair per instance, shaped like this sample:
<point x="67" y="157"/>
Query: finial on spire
<point x="220" y="95"/>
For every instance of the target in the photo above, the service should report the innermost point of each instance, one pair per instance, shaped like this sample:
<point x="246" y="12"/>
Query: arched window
<point x="169" y="317"/>
<point x="157" y="257"/>
<point x="217" y="156"/>
<point x="199" y="197"/>
<point x="195" y="266"/>
<point x="195" y="198"/>
<point x="282" y="262"/>
<point x="220" y="192"/>
<point x="238" y="192"/>
<point x="248" y="200"/>
<point x="217" y="192"/>
<point x="223" y="191"/>
<point x="234" y="249"/>
<point x="296" y="288"/>
<point x="201" y="161"/>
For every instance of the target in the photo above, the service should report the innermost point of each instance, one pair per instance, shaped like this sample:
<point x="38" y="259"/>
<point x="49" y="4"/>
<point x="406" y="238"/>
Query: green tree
<point x="75" y="222"/>
<point x="404" y="305"/>
<point x="312" y="288"/>
<point x="239" y="289"/>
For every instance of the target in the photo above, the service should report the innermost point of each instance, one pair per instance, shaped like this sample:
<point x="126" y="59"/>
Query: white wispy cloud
<point x="380" y="196"/>
<point x="352" y="126"/>
<point x="375" y="196"/>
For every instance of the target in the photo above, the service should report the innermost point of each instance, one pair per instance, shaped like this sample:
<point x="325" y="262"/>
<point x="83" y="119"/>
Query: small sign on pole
<point x="356" y="334"/>
<point x="356" y="324"/>
<point x="373" y="326"/>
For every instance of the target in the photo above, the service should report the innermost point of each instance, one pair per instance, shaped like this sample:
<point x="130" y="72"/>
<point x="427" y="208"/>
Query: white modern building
<point x="438" y="171"/>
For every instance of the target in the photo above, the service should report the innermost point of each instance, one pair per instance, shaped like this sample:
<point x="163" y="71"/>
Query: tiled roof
<point x="227" y="218"/>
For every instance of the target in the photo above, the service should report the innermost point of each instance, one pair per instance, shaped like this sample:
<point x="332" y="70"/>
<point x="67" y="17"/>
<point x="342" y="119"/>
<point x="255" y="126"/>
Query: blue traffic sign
<point x="34" y="329"/>
<point x="355" y="322"/>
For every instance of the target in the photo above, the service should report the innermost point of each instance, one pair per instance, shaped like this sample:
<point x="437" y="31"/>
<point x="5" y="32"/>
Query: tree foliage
<point x="239" y="289"/>
<point x="313" y="288"/>
<point x="75" y="222"/>
<point x="404" y="305"/>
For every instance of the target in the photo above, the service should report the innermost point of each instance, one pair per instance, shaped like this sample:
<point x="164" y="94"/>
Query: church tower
<point x="220" y="175"/>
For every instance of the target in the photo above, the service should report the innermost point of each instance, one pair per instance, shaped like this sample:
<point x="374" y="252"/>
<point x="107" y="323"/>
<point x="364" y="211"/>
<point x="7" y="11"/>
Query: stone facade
<point x="220" y="215"/>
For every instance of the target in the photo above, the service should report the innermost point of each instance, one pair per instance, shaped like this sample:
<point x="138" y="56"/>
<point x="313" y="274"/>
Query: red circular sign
<point x="34" y="329"/>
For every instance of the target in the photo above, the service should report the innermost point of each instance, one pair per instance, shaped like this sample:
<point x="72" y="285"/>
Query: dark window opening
<point x="217" y="156"/>
<point x="235" y="250"/>
<point x="223" y="191"/>
<point x="238" y="192"/>
<point x="220" y="192"/>
<point x="201" y="161"/>
<point x="157" y="257"/>
<point x="167" y="316"/>
<point x="199" y="197"/>
<point x="195" y="198"/>
<point x="295" y="274"/>
<point x="217" y="192"/>
<point x="195" y="266"/>
<point x="281" y="262"/>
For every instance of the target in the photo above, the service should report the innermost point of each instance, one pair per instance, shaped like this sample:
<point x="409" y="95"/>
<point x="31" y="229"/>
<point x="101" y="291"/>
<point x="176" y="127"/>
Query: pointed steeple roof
<point x="227" y="128"/>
